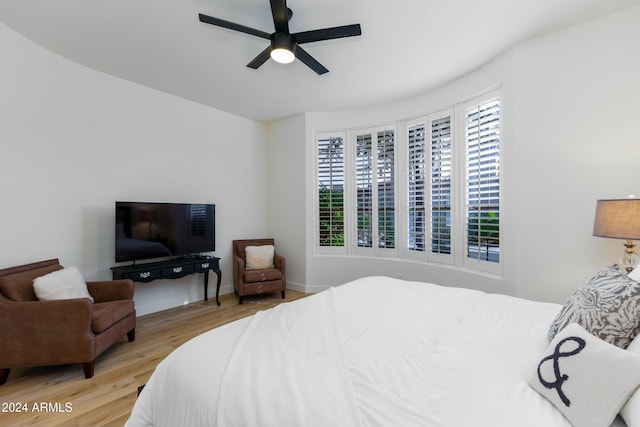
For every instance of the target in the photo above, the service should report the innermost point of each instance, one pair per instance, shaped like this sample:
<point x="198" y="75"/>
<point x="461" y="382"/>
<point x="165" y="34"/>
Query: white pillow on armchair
<point x="61" y="284"/>
<point x="259" y="257"/>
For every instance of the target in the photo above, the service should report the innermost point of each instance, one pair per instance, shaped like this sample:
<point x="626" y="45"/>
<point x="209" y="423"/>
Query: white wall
<point x="571" y="115"/>
<point x="576" y="118"/>
<point x="73" y="141"/>
<point x="285" y="195"/>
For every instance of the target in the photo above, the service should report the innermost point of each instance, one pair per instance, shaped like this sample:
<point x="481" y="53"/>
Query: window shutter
<point x="441" y="185"/>
<point x="416" y="187"/>
<point x="364" y="186"/>
<point x="483" y="181"/>
<point x="330" y="175"/>
<point x="386" y="189"/>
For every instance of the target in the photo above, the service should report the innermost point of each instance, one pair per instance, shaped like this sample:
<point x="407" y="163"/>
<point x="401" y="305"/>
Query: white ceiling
<point x="406" y="47"/>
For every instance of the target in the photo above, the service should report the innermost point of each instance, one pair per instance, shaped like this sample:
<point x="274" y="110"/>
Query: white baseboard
<point x="306" y="288"/>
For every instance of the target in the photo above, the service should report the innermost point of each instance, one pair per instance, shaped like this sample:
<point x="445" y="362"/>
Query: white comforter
<point x="374" y="352"/>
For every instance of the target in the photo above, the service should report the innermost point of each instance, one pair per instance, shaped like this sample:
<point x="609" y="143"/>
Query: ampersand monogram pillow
<point x="586" y="378"/>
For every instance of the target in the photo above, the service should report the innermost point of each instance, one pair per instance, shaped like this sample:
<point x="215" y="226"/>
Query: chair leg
<point x="282" y="294"/>
<point x="239" y="299"/>
<point x="88" y="369"/>
<point x="131" y="335"/>
<point x="4" y="374"/>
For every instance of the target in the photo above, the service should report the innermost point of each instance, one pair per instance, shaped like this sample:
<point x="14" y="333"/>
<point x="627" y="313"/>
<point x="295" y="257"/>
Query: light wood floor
<point x="108" y="397"/>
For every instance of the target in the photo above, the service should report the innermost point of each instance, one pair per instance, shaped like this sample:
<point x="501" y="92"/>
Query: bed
<point x="374" y="352"/>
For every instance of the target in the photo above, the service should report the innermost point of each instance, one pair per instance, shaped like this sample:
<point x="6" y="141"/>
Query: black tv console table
<point x="172" y="269"/>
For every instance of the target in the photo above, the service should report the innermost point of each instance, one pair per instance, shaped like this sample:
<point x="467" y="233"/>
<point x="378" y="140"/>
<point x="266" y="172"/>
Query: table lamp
<point x="620" y="219"/>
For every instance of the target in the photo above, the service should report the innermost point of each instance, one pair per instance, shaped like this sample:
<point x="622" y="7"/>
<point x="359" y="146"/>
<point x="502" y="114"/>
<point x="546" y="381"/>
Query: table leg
<point x="219" y="274"/>
<point x="206" y="285"/>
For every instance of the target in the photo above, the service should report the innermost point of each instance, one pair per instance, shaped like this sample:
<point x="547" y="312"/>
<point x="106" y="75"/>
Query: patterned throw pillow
<point x="607" y="306"/>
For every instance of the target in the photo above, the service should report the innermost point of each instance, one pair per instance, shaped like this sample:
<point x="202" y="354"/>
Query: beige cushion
<point x="259" y="257"/>
<point x="62" y="284"/>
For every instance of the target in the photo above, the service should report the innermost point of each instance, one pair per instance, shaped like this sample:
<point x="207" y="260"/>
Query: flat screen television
<point x="146" y="230"/>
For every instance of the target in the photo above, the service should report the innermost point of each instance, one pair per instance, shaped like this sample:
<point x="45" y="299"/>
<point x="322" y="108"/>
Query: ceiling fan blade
<point x="280" y="15"/>
<point x="260" y="59"/>
<point x="233" y="26"/>
<point x="310" y="61"/>
<point x="328" y="33"/>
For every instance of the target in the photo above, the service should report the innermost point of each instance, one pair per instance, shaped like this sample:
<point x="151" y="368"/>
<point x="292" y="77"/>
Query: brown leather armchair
<point x="257" y="281"/>
<point x="58" y="332"/>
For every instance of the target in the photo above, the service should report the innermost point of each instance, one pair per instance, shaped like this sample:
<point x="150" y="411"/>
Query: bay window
<point x="426" y="189"/>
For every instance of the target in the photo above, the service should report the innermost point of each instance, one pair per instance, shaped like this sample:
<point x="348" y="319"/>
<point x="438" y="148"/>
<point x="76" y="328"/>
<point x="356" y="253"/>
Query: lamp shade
<point x="617" y="219"/>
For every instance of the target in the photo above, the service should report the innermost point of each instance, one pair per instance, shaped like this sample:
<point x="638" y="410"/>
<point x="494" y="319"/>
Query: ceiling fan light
<point x="283" y="47"/>
<point x="282" y="55"/>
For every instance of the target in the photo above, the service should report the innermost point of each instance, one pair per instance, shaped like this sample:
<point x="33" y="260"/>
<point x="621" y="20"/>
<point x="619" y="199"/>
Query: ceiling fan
<point x="284" y="46"/>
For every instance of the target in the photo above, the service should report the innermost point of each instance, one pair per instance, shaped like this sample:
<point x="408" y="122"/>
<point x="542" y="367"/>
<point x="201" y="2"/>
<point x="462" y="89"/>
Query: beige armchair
<point x="65" y="331"/>
<point x="261" y="280"/>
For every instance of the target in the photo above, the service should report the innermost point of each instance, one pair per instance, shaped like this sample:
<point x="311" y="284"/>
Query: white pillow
<point x="259" y="257"/>
<point x="61" y="284"/>
<point x="635" y="274"/>
<point x="631" y="410"/>
<point x="586" y="378"/>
